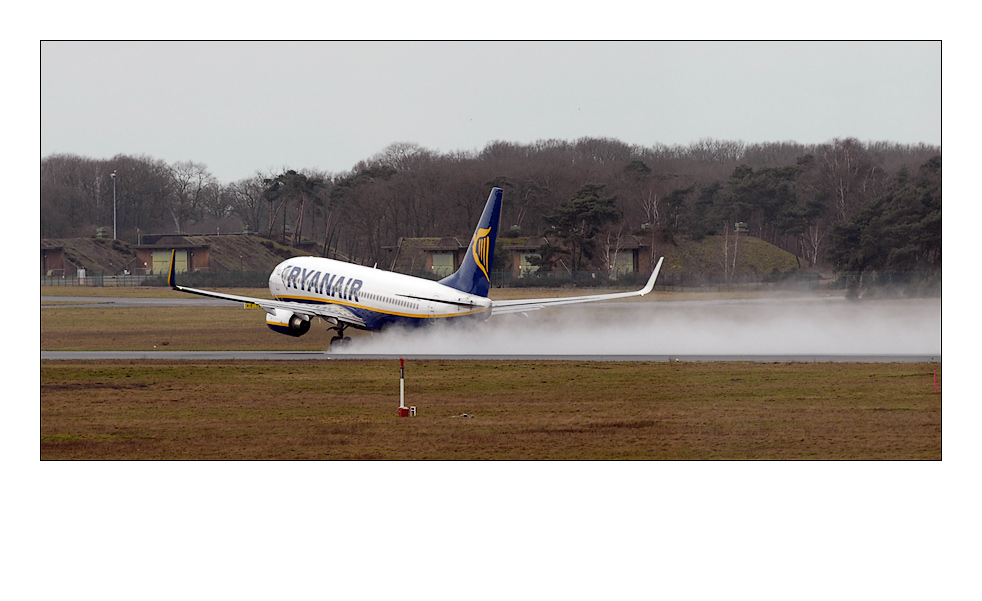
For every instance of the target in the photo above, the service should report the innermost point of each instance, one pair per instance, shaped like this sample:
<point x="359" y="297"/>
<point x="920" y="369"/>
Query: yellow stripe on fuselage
<point x="320" y="301"/>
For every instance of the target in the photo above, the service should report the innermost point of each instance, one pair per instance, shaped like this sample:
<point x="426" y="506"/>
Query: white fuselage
<point x="378" y="297"/>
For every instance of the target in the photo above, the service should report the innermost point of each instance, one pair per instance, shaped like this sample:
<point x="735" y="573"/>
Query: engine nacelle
<point x="286" y="322"/>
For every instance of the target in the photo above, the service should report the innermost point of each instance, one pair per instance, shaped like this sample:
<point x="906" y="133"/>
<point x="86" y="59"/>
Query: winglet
<point x="171" y="279"/>
<point x="651" y="281"/>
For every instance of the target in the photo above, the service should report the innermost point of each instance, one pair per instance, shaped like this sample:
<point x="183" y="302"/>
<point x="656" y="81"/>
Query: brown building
<point x="67" y="258"/>
<point x="440" y="257"/>
<point x="188" y="255"/>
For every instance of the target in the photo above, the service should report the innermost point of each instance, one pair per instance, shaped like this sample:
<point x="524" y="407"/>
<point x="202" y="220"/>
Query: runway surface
<point x="327" y="356"/>
<point x="66" y="302"/>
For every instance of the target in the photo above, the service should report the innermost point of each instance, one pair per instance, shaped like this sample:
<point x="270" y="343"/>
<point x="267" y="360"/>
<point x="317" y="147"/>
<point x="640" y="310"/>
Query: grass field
<point x="515" y="409"/>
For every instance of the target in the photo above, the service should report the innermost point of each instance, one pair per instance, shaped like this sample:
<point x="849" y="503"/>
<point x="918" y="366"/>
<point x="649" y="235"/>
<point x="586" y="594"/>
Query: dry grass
<point x="170" y="328"/>
<point x="518" y="409"/>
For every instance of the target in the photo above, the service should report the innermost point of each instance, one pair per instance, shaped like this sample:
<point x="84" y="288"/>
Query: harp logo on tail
<point x="480" y="246"/>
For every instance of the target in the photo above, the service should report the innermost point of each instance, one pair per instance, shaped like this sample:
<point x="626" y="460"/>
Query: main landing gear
<point x="340" y="340"/>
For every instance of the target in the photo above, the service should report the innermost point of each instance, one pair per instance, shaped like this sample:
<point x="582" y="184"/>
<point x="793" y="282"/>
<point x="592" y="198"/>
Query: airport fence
<point x="96" y="280"/>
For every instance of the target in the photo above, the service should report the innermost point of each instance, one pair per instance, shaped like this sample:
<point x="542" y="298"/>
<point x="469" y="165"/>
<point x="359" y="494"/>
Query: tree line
<point x="851" y="205"/>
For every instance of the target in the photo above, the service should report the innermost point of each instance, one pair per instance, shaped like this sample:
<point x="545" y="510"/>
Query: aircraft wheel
<point x="339" y="342"/>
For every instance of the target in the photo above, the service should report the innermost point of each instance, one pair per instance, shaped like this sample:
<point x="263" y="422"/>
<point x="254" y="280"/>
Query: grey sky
<point x="248" y="106"/>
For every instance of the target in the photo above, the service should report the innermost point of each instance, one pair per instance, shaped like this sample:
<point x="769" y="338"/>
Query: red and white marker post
<point x="403" y="410"/>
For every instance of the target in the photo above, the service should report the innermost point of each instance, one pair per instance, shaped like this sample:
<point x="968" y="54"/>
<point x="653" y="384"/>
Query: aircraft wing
<point x="306" y="310"/>
<point x="534" y="304"/>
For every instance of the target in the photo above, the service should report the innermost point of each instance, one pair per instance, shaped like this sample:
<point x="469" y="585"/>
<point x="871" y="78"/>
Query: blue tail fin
<point x="474" y="274"/>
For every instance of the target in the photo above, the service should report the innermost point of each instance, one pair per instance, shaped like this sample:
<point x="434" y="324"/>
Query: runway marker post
<point x="403" y="410"/>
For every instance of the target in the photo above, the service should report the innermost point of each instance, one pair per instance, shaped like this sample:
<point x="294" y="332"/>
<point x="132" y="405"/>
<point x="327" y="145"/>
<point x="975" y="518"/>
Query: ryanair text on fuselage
<point x="325" y="284"/>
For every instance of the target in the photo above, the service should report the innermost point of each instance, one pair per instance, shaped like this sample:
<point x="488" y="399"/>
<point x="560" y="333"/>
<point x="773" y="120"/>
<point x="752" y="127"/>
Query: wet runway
<point x="327" y="356"/>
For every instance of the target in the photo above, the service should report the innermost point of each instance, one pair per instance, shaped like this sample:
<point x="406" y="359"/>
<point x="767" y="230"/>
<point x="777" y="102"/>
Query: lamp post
<point x="113" y="175"/>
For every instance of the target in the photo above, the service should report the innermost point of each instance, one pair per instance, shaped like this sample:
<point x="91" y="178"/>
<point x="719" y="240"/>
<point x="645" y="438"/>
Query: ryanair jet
<point x="348" y="295"/>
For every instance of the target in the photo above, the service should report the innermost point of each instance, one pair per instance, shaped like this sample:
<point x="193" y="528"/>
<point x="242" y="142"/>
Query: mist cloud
<point x="827" y="326"/>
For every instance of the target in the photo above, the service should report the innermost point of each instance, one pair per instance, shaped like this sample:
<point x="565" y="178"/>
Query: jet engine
<point x="287" y="322"/>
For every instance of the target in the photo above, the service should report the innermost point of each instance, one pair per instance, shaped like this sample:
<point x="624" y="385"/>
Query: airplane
<point x="350" y="295"/>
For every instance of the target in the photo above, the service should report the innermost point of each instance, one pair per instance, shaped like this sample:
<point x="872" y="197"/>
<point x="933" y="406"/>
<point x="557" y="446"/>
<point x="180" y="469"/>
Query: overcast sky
<point x="248" y="106"/>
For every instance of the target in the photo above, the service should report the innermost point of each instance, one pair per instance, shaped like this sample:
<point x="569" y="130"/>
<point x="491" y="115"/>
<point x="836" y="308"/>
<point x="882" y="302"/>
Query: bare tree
<point x="709" y="150"/>
<point x="144" y="190"/>
<point x="849" y="175"/>
<point x="728" y="258"/>
<point x="649" y="204"/>
<point x="248" y="200"/>
<point x="609" y="252"/>
<point x="193" y="185"/>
